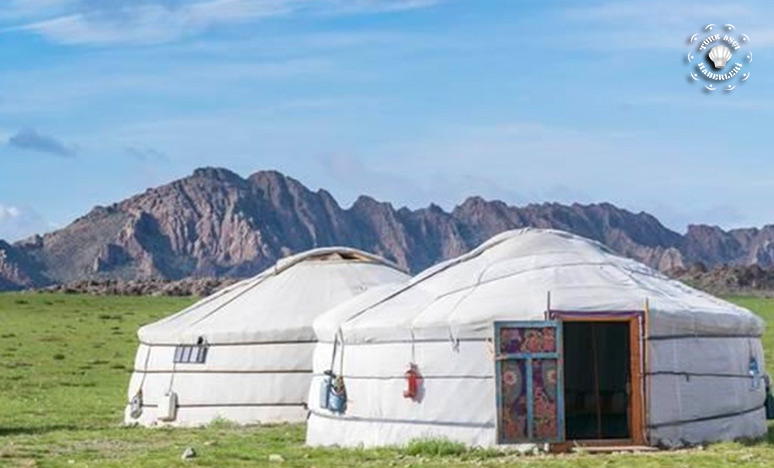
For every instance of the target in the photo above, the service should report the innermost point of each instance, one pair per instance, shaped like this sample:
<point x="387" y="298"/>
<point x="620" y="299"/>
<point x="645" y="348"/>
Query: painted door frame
<point x="637" y="363"/>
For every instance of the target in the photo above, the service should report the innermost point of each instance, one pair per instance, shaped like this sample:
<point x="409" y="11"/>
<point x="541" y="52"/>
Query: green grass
<point x="65" y="363"/>
<point x="434" y="447"/>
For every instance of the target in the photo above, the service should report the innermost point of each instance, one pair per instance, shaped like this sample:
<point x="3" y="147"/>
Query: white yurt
<point x="244" y="354"/>
<point x="537" y="337"/>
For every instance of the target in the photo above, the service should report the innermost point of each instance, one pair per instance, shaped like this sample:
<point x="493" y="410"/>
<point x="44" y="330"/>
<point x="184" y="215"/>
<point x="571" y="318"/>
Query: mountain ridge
<point x="217" y="223"/>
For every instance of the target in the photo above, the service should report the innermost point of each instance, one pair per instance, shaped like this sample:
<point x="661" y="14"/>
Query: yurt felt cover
<point x="278" y="304"/>
<point x="699" y="347"/>
<point x="259" y="339"/>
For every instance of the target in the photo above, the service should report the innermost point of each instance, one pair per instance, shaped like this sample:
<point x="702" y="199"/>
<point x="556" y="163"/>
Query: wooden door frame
<point x="637" y="402"/>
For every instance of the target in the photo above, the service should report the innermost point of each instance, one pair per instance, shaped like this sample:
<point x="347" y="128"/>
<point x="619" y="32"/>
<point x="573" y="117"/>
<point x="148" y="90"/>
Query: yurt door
<point x="528" y="374"/>
<point x="602" y="376"/>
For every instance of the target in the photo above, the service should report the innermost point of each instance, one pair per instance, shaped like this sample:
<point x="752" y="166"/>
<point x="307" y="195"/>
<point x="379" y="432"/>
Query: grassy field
<point x="65" y="363"/>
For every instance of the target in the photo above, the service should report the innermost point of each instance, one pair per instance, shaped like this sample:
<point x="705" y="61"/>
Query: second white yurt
<point x="244" y="354"/>
<point x="537" y="337"/>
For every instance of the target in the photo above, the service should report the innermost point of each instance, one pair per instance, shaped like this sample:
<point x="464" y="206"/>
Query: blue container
<point x="755" y="373"/>
<point x="337" y="401"/>
<point x="337" y="396"/>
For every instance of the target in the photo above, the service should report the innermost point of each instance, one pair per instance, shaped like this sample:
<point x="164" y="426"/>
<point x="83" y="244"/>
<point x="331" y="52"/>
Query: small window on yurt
<point x="191" y="354"/>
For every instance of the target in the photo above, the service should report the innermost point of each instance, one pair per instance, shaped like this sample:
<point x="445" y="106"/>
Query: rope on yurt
<point x="338" y="336"/>
<point x="258" y="281"/>
<point x="413" y="346"/>
<point x="136" y="402"/>
<point x="207" y="300"/>
<point x="414" y="389"/>
<point x="327" y="380"/>
<point x="335" y="346"/>
<point x="689" y="375"/>
<point x="705" y="336"/>
<point x="341" y="358"/>
<point x="337" y="390"/>
<point x="433" y="271"/>
<point x="645" y="360"/>
<point x="681" y="422"/>
<point x="172" y="377"/>
<point x="169" y="402"/>
<point x="678" y="393"/>
<point x="174" y="372"/>
<point x="408" y="421"/>
<point x="455" y="340"/>
<point x="548" y="306"/>
<point x="145" y="367"/>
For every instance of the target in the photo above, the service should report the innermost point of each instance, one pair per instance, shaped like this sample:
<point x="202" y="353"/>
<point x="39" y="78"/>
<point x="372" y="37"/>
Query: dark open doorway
<point x="597" y="380"/>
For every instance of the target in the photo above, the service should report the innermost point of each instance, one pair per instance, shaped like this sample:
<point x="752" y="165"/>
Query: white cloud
<point x="665" y="24"/>
<point x="331" y="102"/>
<point x="658" y="12"/>
<point x="29" y="94"/>
<point x="376" y="6"/>
<point x="693" y="102"/>
<point x="16" y="10"/>
<point x="150" y="22"/>
<point x="17" y="223"/>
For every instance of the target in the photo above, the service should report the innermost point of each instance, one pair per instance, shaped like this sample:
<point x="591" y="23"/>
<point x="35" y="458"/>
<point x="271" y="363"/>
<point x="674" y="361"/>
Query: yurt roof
<point x="511" y="276"/>
<point x="278" y="304"/>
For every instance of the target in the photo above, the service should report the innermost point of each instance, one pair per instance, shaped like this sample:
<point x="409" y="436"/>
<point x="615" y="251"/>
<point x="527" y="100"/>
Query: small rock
<point x="276" y="458"/>
<point x="188" y="453"/>
<point x="211" y="443"/>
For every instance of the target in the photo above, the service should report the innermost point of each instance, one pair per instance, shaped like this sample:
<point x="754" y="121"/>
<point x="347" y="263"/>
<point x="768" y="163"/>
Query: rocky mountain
<point x="17" y="269"/>
<point x="725" y="280"/>
<point x="216" y="223"/>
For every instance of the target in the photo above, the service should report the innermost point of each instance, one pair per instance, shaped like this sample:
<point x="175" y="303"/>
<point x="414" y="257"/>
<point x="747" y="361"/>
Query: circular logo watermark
<point x="719" y="57"/>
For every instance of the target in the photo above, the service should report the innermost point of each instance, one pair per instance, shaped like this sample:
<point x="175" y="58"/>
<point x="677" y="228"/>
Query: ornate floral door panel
<point x="528" y="376"/>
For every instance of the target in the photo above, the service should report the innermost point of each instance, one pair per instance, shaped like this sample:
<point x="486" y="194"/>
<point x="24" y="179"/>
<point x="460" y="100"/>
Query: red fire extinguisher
<point x="413" y="381"/>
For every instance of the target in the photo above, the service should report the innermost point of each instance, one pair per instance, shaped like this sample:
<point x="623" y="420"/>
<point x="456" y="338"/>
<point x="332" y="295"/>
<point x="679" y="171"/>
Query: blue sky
<point x="410" y="101"/>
